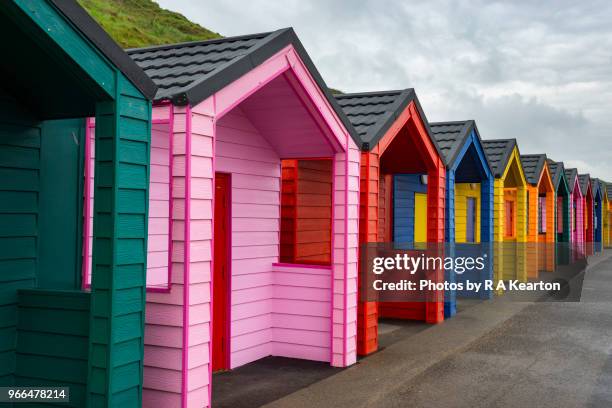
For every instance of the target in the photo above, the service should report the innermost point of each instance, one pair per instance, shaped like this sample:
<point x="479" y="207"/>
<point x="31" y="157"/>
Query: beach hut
<point x="577" y="213"/>
<point x="540" y="254"/>
<point x="469" y="195"/>
<point x="509" y="209"/>
<point x="562" y="211"/>
<point x="588" y="210"/>
<point x="605" y="221"/>
<point x="402" y="174"/>
<point x="608" y="208"/>
<point x="60" y="67"/>
<point x="226" y="115"/>
<point x="597" y="214"/>
<point x="605" y="230"/>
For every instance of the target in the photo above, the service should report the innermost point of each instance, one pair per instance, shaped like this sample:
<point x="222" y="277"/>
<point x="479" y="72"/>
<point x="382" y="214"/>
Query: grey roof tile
<point x="532" y="166"/>
<point x="451" y="136"/>
<point x="176" y="68"/>
<point x="557" y="171"/>
<point x="188" y="73"/>
<point x="498" y="153"/>
<point x="373" y="113"/>
<point x="595" y="186"/>
<point x="584" y="180"/>
<point x="570" y="176"/>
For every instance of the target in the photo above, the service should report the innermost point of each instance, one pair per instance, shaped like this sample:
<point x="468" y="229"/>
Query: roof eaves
<point x="475" y="128"/>
<point x="561" y="176"/>
<point x="421" y="113"/>
<point x="503" y="162"/>
<point x="312" y="69"/>
<point x="464" y="134"/>
<point x="230" y="71"/>
<point x="258" y="54"/>
<point x="571" y="180"/>
<point x="584" y="184"/>
<point x="595" y="186"/>
<point x="174" y="46"/>
<point x="539" y="167"/>
<point x="106" y="45"/>
<point x="379" y="129"/>
<point x="561" y="173"/>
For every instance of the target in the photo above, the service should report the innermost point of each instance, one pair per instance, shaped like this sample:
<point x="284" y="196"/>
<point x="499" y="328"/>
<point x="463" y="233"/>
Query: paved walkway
<point x="492" y="354"/>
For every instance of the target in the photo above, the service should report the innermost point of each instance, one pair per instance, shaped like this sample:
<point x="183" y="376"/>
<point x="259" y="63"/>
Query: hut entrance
<point x="220" y="360"/>
<point x="306" y="211"/>
<point x="420" y="217"/>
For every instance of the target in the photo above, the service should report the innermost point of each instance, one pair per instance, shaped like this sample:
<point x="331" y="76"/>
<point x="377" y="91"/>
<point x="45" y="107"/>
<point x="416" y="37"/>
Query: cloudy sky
<point x="541" y="73"/>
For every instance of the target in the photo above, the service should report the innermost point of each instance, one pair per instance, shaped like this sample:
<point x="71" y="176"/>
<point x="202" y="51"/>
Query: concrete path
<point x="493" y="354"/>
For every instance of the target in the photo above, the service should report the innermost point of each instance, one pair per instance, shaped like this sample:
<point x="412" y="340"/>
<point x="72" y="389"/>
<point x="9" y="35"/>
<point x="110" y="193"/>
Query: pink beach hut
<point x="226" y="113"/>
<point x="576" y="213"/>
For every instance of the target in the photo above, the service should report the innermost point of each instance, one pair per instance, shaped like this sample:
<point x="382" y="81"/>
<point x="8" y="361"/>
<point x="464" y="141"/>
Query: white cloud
<point x="540" y="72"/>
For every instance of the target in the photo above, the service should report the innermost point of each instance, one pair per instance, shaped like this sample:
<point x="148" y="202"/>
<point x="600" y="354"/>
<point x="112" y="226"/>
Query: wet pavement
<point x="492" y="354"/>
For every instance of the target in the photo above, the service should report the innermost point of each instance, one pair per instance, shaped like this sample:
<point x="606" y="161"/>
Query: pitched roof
<point x="181" y="70"/>
<point x="595" y="186"/>
<point x="451" y="137"/>
<point x="373" y="113"/>
<point x="106" y="45"/>
<point x="570" y="176"/>
<point x="584" y="180"/>
<point x="498" y="153"/>
<point x="557" y="170"/>
<point x="603" y="186"/>
<point x="533" y="164"/>
<point x="188" y="73"/>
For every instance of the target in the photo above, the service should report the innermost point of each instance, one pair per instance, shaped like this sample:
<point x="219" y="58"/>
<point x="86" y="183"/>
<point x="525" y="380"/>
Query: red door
<point x="220" y="360"/>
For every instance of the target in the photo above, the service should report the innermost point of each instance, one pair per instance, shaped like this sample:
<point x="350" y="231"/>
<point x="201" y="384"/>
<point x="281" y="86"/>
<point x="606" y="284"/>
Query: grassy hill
<point x="140" y="23"/>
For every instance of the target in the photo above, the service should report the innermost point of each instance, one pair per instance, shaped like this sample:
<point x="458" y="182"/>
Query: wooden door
<point x="420" y="217"/>
<point x="221" y="259"/>
<point x="470" y="231"/>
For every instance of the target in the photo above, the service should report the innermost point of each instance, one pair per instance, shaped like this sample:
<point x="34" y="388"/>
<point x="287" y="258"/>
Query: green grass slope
<point x="141" y="23"/>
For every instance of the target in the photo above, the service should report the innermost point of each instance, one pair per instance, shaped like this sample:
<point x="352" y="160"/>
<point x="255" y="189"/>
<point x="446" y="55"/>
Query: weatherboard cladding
<point x="498" y="153"/>
<point x="372" y="114"/>
<point x="609" y="190"/>
<point x="188" y="73"/>
<point x="532" y="166"/>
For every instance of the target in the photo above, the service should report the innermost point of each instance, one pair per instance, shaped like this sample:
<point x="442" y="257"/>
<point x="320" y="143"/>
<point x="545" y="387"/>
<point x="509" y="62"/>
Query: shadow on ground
<point x="272" y="378"/>
<point x="266" y="380"/>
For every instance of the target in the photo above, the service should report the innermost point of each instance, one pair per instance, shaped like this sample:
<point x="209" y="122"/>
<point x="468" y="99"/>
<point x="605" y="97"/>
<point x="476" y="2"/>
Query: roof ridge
<point x="143" y="57"/>
<point x="538" y="160"/>
<point x="450" y="122"/>
<point x="510" y="139"/>
<point x="372" y="93"/>
<point x="185" y="44"/>
<point x="508" y="148"/>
